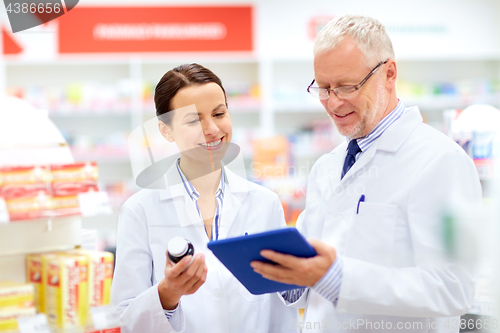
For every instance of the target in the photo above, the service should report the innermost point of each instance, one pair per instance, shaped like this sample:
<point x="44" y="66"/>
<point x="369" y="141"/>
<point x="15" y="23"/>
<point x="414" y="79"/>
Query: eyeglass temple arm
<point x="310" y="85"/>
<point x="370" y="75"/>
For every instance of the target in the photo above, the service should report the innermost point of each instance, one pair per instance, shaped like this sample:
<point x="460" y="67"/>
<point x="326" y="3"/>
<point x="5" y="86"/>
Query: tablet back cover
<point x="237" y="253"/>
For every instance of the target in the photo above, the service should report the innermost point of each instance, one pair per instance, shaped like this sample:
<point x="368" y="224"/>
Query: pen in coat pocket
<point x="361" y="199"/>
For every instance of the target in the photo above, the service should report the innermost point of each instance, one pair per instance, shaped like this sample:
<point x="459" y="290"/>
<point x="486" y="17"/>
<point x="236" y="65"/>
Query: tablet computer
<point x="236" y="254"/>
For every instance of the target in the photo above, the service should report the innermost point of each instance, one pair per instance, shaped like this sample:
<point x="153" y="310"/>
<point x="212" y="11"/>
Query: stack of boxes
<point x="25" y="191"/>
<point x="62" y="285"/>
<point x="16" y="300"/>
<point x="68" y="284"/>
<point x="32" y="192"/>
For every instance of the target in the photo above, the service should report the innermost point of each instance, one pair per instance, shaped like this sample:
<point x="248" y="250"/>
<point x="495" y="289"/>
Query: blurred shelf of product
<point x="92" y="99"/>
<point x="477" y="130"/>
<point x="97" y="109"/>
<point x="44" y="196"/>
<point x="282" y="163"/>
<point x="62" y="292"/>
<point x="83" y="89"/>
<point x="96" y="104"/>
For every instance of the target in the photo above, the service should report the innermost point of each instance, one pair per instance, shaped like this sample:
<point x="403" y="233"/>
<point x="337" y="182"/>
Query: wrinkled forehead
<point x="341" y="64"/>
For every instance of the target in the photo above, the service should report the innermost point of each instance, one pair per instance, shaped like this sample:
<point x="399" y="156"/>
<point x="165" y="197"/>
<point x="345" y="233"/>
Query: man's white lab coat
<point x="398" y="275"/>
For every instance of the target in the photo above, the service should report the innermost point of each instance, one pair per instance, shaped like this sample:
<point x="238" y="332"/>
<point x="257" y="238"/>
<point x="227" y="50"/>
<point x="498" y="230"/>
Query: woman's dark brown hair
<point x="176" y="79"/>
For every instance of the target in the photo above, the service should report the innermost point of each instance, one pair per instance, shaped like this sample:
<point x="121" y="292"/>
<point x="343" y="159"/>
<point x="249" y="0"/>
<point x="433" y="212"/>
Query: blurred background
<point x="92" y="74"/>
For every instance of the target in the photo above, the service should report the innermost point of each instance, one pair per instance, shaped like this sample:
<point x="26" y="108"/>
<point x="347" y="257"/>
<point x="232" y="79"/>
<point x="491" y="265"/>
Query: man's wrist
<point x="329" y="285"/>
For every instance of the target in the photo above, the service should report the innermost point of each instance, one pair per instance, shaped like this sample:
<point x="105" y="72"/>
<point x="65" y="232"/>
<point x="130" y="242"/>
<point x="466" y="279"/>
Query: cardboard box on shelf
<point x="107" y="330"/>
<point x="32" y="192"/>
<point x="67" y="181"/>
<point x="71" y="179"/>
<point x="8" y="317"/>
<point x="16" y="295"/>
<point x="36" y="274"/>
<point x="100" y="275"/>
<point x="35" y="176"/>
<point x="271" y="157"/>
<point x="66" y="291"/>
<point x="32" y="204"/>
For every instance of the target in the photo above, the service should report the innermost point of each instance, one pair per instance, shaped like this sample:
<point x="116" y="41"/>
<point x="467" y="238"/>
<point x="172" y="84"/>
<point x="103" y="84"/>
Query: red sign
<point x="317" y="23"/>
<point x="156" y="29"/>
<point x="10" y="46"/>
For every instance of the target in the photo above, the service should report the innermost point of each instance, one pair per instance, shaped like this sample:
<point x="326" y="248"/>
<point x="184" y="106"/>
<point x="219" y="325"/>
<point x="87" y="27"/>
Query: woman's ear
<point x="165" y="131"/>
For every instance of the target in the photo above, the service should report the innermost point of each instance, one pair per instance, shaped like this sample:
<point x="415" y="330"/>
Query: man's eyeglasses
<point x="343" y="91"/>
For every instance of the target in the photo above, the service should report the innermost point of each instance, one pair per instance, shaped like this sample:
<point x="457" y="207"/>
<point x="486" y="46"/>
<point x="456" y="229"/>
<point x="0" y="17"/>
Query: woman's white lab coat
<point x="150" y="218"/>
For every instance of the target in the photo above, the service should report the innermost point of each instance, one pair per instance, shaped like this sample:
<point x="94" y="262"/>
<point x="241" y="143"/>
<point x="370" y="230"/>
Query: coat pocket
<point x="371" y="234"/>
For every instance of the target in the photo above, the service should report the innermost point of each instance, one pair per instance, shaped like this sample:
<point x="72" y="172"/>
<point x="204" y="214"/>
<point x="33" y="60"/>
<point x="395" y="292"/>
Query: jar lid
<point x="177" y="246"/>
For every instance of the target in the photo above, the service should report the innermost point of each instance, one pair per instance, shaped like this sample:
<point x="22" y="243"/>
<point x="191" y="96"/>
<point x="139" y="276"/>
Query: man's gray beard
<point x="360" y="127"/>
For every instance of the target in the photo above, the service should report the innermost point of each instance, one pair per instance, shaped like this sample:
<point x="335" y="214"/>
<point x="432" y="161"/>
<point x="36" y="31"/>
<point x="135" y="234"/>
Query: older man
<point x="375" y="204"/>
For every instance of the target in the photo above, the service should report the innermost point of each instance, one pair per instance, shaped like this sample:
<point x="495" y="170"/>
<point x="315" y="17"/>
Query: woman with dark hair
<point x="203" y="200"/>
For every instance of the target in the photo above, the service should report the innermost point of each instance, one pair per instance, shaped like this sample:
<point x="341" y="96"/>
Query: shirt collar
<point x="367" y="141"/>
<point x="191" y="191"/>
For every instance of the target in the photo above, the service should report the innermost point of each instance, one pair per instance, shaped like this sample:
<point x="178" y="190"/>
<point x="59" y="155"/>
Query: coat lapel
<point x="332" y="176"/>
<point x="236" y="189"/>
<point x="185" y="208"/>
<point x="389" y="141"/>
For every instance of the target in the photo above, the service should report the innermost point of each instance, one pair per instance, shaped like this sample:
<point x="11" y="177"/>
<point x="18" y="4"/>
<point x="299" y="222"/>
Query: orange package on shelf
<point x="106" y="330"/>
<point x="24" y="189"/>
<point x="20" y="178"/>
<point x="27" y="205"/>
<point x="71" y="179"/>
<point x="112" y="330"/>
<point x="67" y="181"/>
<point x="270" y="157"/>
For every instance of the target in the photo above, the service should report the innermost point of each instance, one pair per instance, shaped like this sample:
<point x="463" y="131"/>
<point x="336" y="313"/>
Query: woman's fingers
<point x="198" y="268"/>
<point x="199" y="282"/>
<point x="181" y="275"/>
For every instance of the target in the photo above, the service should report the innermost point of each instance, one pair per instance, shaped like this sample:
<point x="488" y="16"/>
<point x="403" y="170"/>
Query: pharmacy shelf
<point x="33" y="236"/>
<point x="40" y="235"/>
<point x="280" y="104"/>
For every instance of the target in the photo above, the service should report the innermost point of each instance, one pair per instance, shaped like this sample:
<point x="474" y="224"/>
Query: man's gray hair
<point x="368" y="33"/>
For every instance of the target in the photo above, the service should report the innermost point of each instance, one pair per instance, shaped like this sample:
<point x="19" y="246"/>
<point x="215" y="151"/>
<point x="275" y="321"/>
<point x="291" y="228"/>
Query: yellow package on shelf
<point x="66" y="291"/>
<point x="100" y="276"/>
<point x="36" y="268"/>
<point x="16" y="295"/>
<point x="8" y="317"/>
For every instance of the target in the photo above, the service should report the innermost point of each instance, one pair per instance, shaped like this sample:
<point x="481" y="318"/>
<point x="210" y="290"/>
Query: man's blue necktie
<point x="352" y="150"/>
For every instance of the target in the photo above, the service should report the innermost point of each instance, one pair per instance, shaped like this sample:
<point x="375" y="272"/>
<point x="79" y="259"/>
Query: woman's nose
<point x="210" y="128"/>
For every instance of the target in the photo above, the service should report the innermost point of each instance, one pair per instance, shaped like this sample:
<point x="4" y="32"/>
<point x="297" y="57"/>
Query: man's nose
<point x="333" y="102"/>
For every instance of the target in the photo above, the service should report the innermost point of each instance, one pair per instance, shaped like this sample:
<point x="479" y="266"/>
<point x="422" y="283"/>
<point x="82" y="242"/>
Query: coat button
<point x="218" y="293"/>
